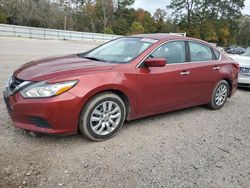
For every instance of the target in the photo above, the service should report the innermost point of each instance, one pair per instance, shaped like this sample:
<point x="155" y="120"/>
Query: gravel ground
<point x="194" y="147"/>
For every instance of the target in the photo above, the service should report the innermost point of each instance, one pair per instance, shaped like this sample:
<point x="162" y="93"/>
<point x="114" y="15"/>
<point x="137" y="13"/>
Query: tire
<point x="102" y="117"/>
<point x="220" y="95"/>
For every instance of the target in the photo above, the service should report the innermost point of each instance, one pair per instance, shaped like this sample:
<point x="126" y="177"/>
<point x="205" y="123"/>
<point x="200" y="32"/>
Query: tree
<point x="184" y="9"/>
<point x="244" y="31"/>
<point x="123" y="18"/>
<point x="108" y="30"/>
<point x="3" y="17"/>
<point x="208" y="32"/>
<point x="137" y="28"/>
<point x="121" y="26"/>
<point x="204" y="18"/>
<point x="104" y="11"/>
<point x="212" y="20"/>
<point x="146" y="20"/>
<point x="38" y="13"/>
<point x="160" y="17"/>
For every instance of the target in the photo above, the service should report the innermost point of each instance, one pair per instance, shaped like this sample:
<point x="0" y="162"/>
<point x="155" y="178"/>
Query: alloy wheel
<point x="221" y="95"/>
<point x="105" y="118"/>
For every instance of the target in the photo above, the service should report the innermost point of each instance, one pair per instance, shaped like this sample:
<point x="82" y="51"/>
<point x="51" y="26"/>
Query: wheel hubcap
<point x="105" y="118"/>
<point x="221" y="95"/>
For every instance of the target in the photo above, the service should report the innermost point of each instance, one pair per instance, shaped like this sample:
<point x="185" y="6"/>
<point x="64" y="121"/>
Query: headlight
<point x="42" y="89"/>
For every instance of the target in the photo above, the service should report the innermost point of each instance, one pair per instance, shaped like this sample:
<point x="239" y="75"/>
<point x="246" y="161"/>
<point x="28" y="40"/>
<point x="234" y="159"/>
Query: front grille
<point x="14" y="83"/>
<point x="40" y="122"/>
<point x="245" y="70"/>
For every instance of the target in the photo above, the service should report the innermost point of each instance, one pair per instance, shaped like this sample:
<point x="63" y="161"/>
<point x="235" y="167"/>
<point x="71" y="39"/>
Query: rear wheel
<point x="102" y="117"/>
<point x="220" y="95"/>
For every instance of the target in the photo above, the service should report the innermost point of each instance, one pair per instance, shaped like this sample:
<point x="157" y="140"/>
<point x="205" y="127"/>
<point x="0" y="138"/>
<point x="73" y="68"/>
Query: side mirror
<point x="155" y="62"/>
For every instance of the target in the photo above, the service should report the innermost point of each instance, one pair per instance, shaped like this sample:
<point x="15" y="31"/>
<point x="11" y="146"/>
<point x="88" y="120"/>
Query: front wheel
<point x="220" y="95"/>
<point x="102" y="117"/>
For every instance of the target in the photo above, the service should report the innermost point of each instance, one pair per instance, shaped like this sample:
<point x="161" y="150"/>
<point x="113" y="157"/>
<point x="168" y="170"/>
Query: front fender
<point x="92" y="84"/>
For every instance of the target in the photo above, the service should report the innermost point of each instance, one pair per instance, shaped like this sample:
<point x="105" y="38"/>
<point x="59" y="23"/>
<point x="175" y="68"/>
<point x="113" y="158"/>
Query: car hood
<point x="242" y="60"/>
<point x="56" y="67"/>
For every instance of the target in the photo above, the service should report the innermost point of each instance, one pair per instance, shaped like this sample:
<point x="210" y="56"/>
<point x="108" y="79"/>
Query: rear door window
<point x="200" y="52"/>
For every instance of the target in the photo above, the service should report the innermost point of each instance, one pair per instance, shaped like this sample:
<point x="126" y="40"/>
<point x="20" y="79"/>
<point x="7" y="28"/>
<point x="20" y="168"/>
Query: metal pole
<point x="65" y="22"/>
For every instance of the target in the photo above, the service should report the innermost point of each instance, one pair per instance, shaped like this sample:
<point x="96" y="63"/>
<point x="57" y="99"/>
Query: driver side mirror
<point x="155" y="62"/>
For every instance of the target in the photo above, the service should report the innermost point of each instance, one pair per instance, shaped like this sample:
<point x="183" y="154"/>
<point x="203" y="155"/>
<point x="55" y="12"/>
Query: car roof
<point x="159" y="36"/>
<point x="166" y="36"/>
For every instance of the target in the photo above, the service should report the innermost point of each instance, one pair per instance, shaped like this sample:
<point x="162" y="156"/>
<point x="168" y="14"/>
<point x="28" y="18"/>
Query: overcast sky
<point x="152" y="5"/>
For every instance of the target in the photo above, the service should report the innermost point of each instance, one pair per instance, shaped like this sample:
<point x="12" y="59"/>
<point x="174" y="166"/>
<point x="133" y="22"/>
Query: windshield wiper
<point x="118" y="62"/>
<point x="95" y="59"/>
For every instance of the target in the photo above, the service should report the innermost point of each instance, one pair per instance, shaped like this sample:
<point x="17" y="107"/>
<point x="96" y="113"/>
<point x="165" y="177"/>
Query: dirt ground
<point x="195" y="147"/>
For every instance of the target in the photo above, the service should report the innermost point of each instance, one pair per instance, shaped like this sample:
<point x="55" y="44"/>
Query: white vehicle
<point x="244" y="61"/>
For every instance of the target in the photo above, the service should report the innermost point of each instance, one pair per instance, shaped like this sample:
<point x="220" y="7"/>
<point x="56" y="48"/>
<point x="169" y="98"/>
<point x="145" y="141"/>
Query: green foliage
<point x="207" y="31"/>
<point x="212" y="20"/>
<point x="38" y="13"/>
<point x="244" y="31"/>
<point x="121" y="26"/>
<point x="3" y="17"/>
<point x="123" y="19"/>
<point x="137" y="28"/>
<point x="160" y="16"/>
<point x="108" y="30"/>
<point x="223" y="33"/>
<point x="146" y="20"/>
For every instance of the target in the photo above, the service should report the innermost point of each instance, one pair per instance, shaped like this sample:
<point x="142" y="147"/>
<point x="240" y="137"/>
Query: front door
<point x="160" y="88"/>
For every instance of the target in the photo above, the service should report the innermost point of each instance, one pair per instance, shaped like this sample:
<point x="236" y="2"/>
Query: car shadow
<point x="166" y="115"/>
<point x="53" y="138"/>
<point x="76" y="138"/>
<point x="244" y="89"/>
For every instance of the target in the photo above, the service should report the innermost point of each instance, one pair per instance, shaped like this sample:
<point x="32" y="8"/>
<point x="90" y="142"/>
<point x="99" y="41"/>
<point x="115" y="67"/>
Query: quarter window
<point x="173" y="52"/>
<point x="200" y="52"/>
<point x="217" y="55"/>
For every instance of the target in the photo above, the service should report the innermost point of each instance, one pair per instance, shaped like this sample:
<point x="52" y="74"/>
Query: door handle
<point x="216" y="68"/>
<point x="185" y="73"/>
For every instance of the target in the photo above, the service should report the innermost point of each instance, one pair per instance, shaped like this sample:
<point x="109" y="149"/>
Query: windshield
<point x="247" y="53"/>
<point x="121" y="50"/>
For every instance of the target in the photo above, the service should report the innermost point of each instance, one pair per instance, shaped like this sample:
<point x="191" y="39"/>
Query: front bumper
<point x="244" y="80"/>
<point x="55" y="115"/>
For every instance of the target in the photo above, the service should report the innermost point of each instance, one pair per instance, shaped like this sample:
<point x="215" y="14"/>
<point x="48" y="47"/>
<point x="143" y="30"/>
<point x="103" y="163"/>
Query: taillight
<point x="237" y="66"/>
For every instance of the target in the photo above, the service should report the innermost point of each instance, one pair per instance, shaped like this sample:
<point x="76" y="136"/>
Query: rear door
<point x="204" y="72"/>
<point x="160" y="88"/>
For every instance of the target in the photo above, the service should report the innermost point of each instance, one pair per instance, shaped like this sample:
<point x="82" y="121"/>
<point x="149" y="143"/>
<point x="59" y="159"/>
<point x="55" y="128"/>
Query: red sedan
<point x="124" y="79"/>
